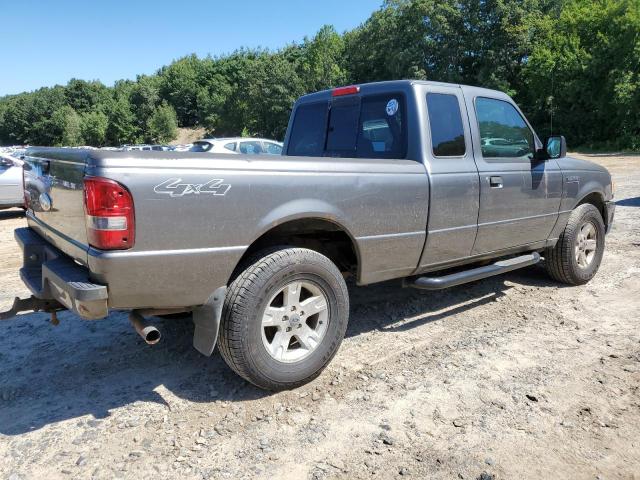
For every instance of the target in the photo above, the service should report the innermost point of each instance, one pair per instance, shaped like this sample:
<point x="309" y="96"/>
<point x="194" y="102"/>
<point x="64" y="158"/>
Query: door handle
<point x="495" y="182"/>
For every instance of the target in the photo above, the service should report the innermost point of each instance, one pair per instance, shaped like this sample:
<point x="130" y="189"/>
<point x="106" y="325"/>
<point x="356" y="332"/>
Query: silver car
<point x="11" y="182"/>
<point x="238" y="145"/>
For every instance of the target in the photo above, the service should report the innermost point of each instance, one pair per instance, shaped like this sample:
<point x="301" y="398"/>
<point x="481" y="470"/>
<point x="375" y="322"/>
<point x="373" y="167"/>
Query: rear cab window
<point x="353" y="126"/>
<point x="445" y="123"/>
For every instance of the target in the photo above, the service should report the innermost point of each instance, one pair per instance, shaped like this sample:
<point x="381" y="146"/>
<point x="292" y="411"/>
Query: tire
<point x="265" y="336"/>
<point x="562" y="262"/>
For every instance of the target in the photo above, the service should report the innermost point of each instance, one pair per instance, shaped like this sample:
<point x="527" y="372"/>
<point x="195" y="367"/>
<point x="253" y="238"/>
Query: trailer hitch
<point x="33" y="304"/>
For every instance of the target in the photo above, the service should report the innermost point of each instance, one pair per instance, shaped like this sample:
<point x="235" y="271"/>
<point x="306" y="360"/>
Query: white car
<point x="238" y="145"/>
<point x="11" y="182"/>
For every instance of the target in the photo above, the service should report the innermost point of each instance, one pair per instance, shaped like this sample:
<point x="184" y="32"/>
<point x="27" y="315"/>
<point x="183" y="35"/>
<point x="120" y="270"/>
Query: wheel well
<point x="323" y="236"/>
<point x="597" y="201"/>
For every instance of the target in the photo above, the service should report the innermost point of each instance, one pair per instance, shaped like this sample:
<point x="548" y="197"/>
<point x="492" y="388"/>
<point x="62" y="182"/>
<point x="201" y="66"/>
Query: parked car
<point x="11" y="182"/>
<point x="238" y="145"/>
<point x="145" y="148"/>
<point x="379" y="181"/>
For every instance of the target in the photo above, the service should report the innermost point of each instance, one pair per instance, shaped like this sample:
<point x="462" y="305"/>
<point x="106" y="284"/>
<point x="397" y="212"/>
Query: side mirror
<point x="555" y="146"/>
<point x="27" y="167"/>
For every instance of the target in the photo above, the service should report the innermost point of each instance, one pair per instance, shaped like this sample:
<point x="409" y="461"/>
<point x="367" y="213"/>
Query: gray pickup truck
<point x="435" y="184"/>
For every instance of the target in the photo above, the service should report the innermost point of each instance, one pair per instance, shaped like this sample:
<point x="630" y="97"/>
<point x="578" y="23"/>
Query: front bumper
<point x="52" y="275"/>
<point x="609" y="210"/>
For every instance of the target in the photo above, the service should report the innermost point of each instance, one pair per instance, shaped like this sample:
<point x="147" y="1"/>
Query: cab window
<point x="445" y="122"/>
<point x="503" y="131"/>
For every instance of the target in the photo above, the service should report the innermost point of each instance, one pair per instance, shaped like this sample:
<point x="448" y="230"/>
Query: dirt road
<point x="513" y="377"/>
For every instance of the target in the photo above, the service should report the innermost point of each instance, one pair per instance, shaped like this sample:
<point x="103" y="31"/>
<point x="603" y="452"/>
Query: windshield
<point x="201" y="147"/>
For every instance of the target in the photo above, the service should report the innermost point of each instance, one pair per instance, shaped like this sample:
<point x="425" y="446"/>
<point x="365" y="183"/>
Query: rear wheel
<point x="284" y="318"/>
<point x="577" y="256"/>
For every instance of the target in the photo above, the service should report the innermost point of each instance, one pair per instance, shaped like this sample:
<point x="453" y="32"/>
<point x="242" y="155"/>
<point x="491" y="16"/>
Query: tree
<point x="85" y="96"/>
<point x="322" y="60"/>
<point x="180" y="84"/>
<point x="163" y="125"/>
<point x="588" y="62"/>
<point x="94" y="128"/>
<point x="122" y="127"/>
<point x="67" y="127"/>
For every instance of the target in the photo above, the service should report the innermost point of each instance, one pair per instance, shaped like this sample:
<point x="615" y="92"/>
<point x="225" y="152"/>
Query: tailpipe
<point x="149" y="333"/>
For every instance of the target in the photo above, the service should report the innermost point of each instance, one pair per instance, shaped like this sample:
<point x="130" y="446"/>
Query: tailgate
<point x="57" y="207"/>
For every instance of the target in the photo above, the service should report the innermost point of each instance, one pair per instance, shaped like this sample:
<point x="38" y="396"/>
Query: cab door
<point x="453" y="176"/>
<point x="519" y="196"/>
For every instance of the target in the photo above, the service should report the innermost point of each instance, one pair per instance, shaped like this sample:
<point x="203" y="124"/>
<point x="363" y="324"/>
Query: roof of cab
<point x="404" y="84"/>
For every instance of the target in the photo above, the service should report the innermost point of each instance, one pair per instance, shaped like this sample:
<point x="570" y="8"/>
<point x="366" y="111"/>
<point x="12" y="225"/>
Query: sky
<point x="45" y="42"/>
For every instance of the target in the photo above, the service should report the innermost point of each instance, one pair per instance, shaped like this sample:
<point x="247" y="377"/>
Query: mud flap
<point x="207" y="322"/>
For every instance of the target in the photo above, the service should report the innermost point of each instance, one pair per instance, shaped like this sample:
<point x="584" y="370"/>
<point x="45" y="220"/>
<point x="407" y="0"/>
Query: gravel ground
<point x="511" y="377"/>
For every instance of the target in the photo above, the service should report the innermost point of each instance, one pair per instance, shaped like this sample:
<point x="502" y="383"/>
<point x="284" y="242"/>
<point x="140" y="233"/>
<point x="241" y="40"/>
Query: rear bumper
<point x="52" y="275"/>
<point x="609" y="210"/>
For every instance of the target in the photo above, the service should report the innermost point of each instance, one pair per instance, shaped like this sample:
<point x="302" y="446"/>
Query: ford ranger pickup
<point x="431" y="183"/>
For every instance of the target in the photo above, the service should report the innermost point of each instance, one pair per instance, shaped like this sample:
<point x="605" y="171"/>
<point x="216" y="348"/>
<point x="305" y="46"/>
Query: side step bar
<point x="458" y="278"/>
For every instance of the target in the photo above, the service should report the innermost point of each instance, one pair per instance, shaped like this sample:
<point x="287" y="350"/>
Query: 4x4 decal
<point x="175" y="188"/>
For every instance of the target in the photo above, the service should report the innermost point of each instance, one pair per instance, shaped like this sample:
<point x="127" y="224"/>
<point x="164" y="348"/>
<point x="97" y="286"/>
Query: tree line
<point x="572" y="65"/>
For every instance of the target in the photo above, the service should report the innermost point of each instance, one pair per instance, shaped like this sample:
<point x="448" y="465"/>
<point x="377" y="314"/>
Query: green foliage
<point x="94" y="128"/>
<point x="70" y="123"/>
<point x="122" y="128"/>
<point x="585" y="69"/>
<point x="163" y="125"/>
<point x="575" y="60"/>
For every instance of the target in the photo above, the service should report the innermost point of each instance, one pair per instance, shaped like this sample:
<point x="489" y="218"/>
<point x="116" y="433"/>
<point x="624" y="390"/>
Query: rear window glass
<point x="309" y="130"/>
<point x="343" y="127"/>
<point x="201" y="147"/>
<point x="445" y="120"/>
<point x="382" y="132"/>
<point x="372" y="126"/>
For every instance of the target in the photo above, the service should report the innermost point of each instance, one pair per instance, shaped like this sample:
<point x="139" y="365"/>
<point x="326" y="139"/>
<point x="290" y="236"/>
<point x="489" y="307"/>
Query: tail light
<point x="109" y="214"/>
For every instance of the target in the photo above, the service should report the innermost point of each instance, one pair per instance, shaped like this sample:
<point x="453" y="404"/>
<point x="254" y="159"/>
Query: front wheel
<point x="576" y="257"/>
<point x="284" y="318"/>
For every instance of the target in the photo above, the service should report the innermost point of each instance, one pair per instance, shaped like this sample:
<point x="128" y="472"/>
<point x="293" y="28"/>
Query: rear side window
<point x="445" y="121"/>
<point x="272" y="148"/>
<point x="231" y="146"/>
<point x="309" y="130"/>
<point x="251" y="148"/>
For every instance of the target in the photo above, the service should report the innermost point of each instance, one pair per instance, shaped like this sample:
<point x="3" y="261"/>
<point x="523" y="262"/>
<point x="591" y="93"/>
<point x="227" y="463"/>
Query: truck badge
<point x="174" y="187"/>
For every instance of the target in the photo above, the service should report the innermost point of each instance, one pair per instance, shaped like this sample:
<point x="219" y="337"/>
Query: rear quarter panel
<point x="189" y="240"/>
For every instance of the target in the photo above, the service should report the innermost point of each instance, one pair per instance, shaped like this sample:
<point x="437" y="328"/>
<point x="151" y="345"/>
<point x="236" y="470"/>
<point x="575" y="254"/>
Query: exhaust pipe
<point x="149" y="333"/>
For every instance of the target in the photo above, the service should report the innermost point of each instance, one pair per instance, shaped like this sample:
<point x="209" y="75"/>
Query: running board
<point x="458" y="278"/>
